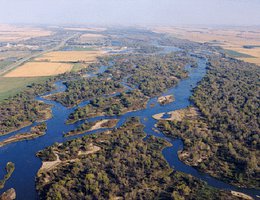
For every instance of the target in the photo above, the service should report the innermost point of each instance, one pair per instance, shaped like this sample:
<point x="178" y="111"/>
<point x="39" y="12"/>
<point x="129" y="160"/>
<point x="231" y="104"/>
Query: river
<point x="27" y="164"/>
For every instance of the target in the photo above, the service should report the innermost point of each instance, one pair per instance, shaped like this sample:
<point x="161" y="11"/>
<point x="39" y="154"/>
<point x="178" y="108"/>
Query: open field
<point x="26" y="71"/>
<point x="11" y="33"/>
<point x="235" y="39"/>
<point x="20" y="62"/>
<point x="254" y="53"/>
<point x="34" y="69"/>
<point x="11" y="86"/>
<point x="13" y="54"/>
<point x="70" y="56"/>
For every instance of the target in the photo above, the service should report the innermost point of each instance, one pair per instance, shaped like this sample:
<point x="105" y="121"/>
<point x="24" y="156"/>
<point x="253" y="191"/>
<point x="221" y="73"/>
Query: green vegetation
<point x="84" y="89"/>
<point x="224" y="141"/>
<point x="81" y="129"/>
<point x="4" y="63"/>
<point x="88" y="126"/>
<point x="77" y="67"/>
<point x="117" y="105"/>
<point x="125" y="167"/>
<point x="12" y="86"/>
<point x="9" y="169"/>
<point x="36" y="131"/>
<point x="22" y="110"/>
<point x="152" y="74"/>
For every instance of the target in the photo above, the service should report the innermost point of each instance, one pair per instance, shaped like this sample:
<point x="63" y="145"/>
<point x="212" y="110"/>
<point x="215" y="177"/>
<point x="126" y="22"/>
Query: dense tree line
<point x="224" y="141"/>
<point x="87" y="126"/>
<point x="125" y="167"/>
<point x="152" y="74"/>
<point x="84" y="89"/>
<point x="36" y="131"/>
<point x="110" y="106"/>
<point x="81" y="129"/>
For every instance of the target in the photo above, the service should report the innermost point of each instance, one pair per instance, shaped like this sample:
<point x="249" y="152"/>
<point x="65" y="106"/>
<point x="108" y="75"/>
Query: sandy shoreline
<point x="178" y="115"/>
<point x="50" y="165"/>
<point x="165" y="99"/>
<point x="241" y="195"/>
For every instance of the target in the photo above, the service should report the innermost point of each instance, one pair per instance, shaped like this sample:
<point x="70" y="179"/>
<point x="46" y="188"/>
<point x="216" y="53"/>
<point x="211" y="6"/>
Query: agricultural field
<point x="254" y="53"/>
<point x="13" y="54"/>
<point x="117" y="83"/>
<point x="10" y="33"/>
<point x="242" y="43"/>
<point x="36" y="69"/>
<point x="70" y="56"/>
<point x="30" y="54"/>
<point x="12" y="86"/>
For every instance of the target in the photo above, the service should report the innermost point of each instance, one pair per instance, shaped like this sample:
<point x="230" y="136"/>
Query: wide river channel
<point x="27" y="164"/>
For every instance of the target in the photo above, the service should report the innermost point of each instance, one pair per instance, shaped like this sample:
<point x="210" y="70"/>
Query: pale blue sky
<point x="130" y="12"/>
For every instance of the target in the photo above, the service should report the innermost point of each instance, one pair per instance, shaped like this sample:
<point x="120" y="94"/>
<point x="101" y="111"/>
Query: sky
<point x="131" y="12"/>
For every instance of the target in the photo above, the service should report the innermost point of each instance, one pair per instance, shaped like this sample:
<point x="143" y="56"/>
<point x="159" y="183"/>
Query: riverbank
<point x="178" y="115"/>
<point x="8" y="195"/>
<point x="165" y="99"/>
<point x="152" y="84"/>
<point x="123" y="159"/>
<point x="10" y="167"/>
<point x="91" y="126"/>
<point x="36" y="131"/>
<point x="221" y="141"/>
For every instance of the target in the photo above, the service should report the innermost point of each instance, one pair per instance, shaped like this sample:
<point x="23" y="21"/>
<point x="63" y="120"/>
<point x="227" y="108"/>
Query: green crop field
<point x="12" y="86"/>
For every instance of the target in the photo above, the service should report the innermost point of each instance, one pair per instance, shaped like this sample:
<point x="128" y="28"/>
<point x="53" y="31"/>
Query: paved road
<point x="27" y="58"/>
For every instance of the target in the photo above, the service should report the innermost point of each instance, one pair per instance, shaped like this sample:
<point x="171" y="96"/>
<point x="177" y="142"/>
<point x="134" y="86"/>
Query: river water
<point x="27" y="164"/>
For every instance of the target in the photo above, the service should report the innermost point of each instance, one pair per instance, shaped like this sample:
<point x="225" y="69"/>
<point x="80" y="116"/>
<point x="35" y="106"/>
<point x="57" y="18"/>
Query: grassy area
<point x="237" y="54"/>
<point x="11" y="86"/>
<point x="4" y="63"/>
<point x="77" y="67"/>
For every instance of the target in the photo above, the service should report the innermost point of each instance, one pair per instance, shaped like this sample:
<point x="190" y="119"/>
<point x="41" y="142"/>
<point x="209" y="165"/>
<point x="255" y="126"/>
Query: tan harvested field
<point x="228" y="38"/>
<point x="36" y="69"/>
<point x="11" y="33"/>
<point x="70" y="56"/>
<point x="91" y="37"/>
<point x="255" y="53"/>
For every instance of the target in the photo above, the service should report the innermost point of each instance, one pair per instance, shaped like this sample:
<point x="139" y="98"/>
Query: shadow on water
<point x="27" y="164"/>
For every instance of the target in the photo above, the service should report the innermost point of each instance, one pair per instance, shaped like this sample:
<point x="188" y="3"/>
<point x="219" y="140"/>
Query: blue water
<point x="27" y="164"/>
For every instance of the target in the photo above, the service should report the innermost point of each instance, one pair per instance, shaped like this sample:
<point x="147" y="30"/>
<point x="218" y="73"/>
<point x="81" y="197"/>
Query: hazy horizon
<point x="132" y="12"/>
